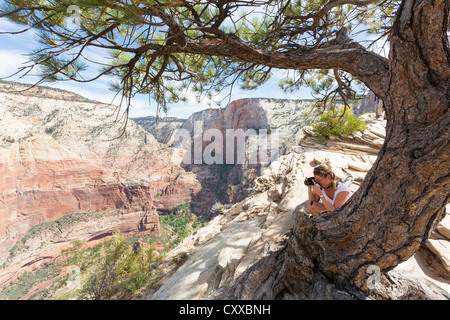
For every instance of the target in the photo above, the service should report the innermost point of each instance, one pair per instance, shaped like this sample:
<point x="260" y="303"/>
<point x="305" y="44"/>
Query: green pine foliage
<point x="337" y="124"/>
<point x="145" y="43"/>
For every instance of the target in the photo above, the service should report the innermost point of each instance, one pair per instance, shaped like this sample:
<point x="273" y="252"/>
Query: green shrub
<point x="113" y="268"/>
<point x="9" y="139"/>
<point x="179" y="227"/>
<point x="156" y="196"/>
<point x="335" y="124"/>
<point x="23" y="284"/>
<point x="50" y="130"/>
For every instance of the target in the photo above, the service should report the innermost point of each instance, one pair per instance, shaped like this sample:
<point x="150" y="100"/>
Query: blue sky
<point x="13" y="50"/>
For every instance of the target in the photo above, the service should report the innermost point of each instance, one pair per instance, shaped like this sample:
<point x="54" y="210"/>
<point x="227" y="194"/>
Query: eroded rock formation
<point x="61" y="156"/>
<point x="245" y="125"/>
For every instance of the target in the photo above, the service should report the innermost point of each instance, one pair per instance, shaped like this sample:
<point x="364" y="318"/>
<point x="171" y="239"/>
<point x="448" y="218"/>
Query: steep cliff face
<point x="281" y="122"/>
<point x="284" y="116"/>
<point x="61" y="154"/>
<point x="252" y="251"/>
<point x="162" y="128"/>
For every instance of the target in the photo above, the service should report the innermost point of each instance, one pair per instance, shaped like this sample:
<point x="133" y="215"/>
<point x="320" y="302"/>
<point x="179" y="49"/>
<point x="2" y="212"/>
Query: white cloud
<point x="10" y="62"/>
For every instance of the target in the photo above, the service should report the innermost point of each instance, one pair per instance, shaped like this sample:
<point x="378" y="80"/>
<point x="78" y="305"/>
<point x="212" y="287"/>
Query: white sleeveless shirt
<point x="340" y="187"/>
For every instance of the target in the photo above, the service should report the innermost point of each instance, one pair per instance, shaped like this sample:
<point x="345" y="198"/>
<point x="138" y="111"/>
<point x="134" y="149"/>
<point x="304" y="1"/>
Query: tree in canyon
<point x="164" y="48"/>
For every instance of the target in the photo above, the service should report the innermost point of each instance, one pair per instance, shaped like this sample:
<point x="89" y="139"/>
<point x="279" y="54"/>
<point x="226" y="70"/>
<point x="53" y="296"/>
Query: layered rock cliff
<point x="277" y="122"/>
<point x="283" y="116"/>
<point x="161" y="128"/>
<point x="62" y="155"/>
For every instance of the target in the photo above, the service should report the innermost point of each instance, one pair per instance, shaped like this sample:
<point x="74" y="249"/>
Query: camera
<point x="309" y="181"/>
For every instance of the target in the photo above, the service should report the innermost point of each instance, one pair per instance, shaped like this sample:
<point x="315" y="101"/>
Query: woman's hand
<point x="317" y="189"/>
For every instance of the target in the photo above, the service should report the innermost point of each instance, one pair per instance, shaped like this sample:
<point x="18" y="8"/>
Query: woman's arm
<point x="327" y="204"/>
<point x="341" y="198"/>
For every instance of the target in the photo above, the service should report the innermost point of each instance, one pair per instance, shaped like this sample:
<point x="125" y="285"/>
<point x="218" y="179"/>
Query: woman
<point x="326" y="193"/>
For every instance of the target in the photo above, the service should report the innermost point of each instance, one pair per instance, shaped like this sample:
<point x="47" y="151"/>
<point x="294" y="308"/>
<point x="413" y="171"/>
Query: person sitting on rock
<point x="326" y="193"/>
